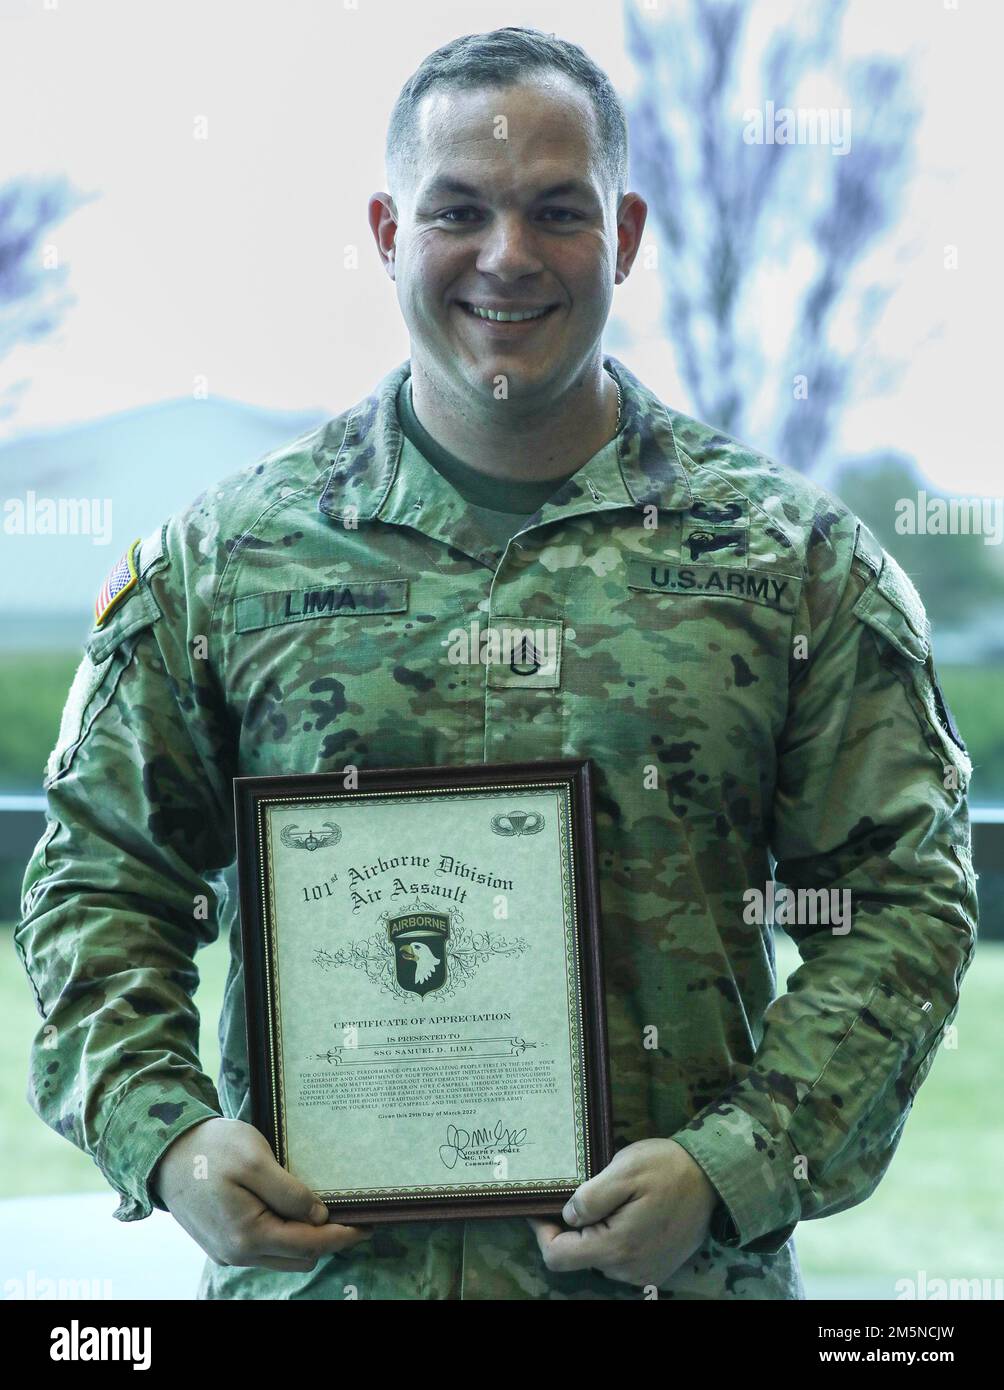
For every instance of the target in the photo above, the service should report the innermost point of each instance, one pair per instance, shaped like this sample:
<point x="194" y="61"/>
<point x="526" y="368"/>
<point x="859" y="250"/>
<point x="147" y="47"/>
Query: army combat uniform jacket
<point x="752" y="677"/>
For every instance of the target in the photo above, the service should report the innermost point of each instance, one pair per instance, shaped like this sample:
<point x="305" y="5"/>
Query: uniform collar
<point x="376" y="473"/>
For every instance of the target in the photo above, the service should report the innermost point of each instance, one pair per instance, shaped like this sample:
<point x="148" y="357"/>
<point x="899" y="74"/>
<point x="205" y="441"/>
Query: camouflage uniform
<point x="751" y="675"/>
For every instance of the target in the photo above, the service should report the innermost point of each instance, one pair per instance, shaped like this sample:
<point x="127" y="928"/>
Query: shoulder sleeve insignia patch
<point x="121" y="580"/>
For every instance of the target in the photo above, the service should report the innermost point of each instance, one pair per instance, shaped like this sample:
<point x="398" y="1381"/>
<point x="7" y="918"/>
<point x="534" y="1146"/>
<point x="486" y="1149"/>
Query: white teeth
<point x="504" y="316"/>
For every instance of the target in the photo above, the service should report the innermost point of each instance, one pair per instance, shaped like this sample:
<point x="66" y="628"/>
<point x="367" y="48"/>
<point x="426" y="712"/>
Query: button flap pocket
<point x="92" y="687"/>
<point x="891" y="606"/>
<point x="909" y="1018"/>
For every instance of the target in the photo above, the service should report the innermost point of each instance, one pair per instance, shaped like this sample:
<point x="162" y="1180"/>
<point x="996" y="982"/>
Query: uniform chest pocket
<point x="348" y="671"/>
<point x="686" y="653"/>
<point x="686" y="643"/>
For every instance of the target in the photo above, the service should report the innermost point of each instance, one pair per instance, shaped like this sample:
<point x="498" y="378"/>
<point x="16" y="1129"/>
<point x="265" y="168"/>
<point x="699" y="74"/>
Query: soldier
<point x="749" y="671"/>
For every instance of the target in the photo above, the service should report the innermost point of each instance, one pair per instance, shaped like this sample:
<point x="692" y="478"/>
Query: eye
<point x="447" y="213"/>
<point x="566" y="212"/>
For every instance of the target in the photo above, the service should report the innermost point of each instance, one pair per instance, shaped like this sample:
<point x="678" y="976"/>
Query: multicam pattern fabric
<point x="751" y="675"/>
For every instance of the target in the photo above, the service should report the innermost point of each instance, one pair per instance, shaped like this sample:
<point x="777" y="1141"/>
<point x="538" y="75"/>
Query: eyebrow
<point x="466" y="190"/>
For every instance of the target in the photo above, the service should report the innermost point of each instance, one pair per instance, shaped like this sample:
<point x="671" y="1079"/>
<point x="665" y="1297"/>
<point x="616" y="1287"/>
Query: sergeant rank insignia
<point x="121" y="580"/>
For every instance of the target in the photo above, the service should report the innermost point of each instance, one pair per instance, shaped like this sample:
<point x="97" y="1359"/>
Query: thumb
<point x="596" y="1199"/>
<point x="286" y="1195"/>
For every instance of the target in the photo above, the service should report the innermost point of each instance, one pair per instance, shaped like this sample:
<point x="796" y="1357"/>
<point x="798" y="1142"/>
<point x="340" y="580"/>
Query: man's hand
<point x="638" y="1220"/>
<point x="245" y="1209"/>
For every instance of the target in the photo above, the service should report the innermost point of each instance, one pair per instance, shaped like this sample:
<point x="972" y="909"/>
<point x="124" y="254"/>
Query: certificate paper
<point x="424" y="1001"/>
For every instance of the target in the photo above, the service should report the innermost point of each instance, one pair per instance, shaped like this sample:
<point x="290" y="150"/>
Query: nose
<point x="508" y="248"/>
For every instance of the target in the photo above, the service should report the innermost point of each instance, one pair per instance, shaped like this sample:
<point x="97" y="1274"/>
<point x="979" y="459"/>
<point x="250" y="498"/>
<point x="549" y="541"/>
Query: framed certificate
<point x="423" y="986"/>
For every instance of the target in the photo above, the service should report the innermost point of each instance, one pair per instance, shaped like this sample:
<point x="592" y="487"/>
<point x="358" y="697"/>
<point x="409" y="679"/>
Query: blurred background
<point x="187" y="280"/>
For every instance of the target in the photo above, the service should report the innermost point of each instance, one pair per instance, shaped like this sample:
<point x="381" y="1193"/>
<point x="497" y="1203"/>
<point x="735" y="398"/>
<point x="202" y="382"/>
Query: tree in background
<point x="777" y="261"/>
<point x="744" y="225"/>
<point x="33" y="296"/>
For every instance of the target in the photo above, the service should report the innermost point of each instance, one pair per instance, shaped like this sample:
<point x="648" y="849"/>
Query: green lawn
<point x="938" y="1208"/>
<point x="975" y="695"/>
<point x="33" y="690"/>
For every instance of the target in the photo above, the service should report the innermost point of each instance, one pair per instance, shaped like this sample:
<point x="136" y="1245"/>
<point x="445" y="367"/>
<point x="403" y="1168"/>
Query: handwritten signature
<point x="459" y="1141"/>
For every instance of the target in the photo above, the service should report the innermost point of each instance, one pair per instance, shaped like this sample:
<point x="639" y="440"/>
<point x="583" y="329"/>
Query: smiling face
<point x="525" y="224"/>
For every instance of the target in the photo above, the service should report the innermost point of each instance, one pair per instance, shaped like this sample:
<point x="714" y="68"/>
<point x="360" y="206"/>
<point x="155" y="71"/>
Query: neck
<point x="511" y="439"/>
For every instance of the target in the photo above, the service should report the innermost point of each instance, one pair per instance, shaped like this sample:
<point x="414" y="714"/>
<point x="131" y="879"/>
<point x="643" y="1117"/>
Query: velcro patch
<point x="346" y="599"/>
<point x="523" y="653"/>
<point x="703" y="542"/>
<point x="120" y="581"/>
<point x="778" y="591"/>
<point x="945" y="717"/>
<point x="891" y="606"/>
<point x="718" y="513"/>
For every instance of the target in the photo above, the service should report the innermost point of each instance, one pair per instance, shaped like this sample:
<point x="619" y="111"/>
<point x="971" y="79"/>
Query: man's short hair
<point x="503" y="58"/>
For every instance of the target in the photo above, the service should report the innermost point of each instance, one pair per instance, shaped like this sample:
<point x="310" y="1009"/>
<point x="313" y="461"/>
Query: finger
<point x="597" y="1199"/>
<point x="545" y="1231"/>
<point x="592" y="1247"/>
<point x="282" y="1193"/>
<point x="273" y="1262"/>
<point x="273" y="1236"/>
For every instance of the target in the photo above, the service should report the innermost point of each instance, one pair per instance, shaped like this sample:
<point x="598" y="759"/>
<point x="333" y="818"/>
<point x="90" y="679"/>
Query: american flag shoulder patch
<point x="121" y="580"/>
